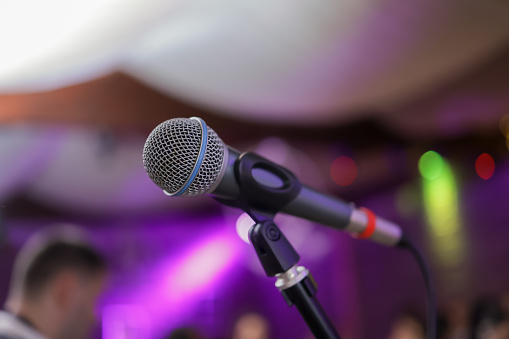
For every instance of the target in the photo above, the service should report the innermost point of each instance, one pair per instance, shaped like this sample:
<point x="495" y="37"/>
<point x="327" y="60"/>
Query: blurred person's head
<point x="501" y="331"/>
<point x="454" y="320"/>
<point x="407" y="326"/>
<point x="185" y="333"/>
<point x="251" y="326"/>
<point x="504" y="302"/>
<point x="486" y="316"/>
<point x="458" y="312"/>
<point x="56" y="280"/>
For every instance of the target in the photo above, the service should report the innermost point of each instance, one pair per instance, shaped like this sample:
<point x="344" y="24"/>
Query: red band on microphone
<point x="370" y="227"/>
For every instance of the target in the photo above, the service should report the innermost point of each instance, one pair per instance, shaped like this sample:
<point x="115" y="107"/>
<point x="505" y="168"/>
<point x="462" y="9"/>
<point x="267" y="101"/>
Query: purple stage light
<point x="200" y="267"/>
<point x="170" y="290"/>
<point x="125" y="322"/>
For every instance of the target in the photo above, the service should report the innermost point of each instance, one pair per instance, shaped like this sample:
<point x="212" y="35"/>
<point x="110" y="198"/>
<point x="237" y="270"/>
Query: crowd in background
<point x="488" y="318"/>
<point x="58" y="277"/>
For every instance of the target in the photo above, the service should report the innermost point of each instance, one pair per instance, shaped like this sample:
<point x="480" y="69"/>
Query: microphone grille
<point x="172" y="151"/>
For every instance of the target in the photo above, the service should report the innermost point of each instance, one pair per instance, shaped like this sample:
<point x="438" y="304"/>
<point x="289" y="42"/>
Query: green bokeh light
<point x="431" y="165"/>
<point x="441" y="203"/>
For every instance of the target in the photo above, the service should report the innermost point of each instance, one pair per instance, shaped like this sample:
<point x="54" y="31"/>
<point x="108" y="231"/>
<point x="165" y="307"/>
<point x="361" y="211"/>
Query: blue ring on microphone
<point x="201" y="155"/>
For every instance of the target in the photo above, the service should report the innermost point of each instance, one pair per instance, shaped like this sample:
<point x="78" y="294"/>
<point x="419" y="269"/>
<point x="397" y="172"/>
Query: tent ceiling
<point x="290" y="62"/>
<point x="471" y="104"/>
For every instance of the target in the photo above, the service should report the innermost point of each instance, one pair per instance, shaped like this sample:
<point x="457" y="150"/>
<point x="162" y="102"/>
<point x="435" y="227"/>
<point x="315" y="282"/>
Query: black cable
<point x="431" y="302"/>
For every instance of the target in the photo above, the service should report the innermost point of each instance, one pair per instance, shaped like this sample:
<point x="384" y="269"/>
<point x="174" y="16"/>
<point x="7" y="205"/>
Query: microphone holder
<point x="277" y="256"/>
<point x="295" y="283"/>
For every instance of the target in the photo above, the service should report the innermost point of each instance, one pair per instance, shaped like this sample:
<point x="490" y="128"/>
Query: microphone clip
<point x="265" y="187"/>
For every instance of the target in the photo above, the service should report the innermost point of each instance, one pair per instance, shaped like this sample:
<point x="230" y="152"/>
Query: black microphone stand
<point x="295" y="283"/>
<point x="277" y="256"/>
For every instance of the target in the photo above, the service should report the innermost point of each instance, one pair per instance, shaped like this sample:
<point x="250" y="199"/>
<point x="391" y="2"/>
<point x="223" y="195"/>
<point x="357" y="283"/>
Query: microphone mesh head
<point x="171" y="152"/>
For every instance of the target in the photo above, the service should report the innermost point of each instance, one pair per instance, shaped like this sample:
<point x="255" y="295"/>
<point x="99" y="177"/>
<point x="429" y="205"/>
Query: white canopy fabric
<point x="287" y="61"/>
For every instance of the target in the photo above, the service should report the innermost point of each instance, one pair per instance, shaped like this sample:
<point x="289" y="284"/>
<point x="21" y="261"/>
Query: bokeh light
<point x="485" y="166"/>
<point x="343" y="171"/>
<point x="431" y="165"/>
<point x="441" y="203"/>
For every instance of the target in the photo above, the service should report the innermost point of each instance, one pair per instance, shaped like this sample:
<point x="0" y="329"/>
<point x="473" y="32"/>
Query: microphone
<point x="185" y="157"/>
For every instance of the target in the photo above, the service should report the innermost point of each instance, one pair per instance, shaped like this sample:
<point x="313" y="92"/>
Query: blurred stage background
<point x="402" y="107"/>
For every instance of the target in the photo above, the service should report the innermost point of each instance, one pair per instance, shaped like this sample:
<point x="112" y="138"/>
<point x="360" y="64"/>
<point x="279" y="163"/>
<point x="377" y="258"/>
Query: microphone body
<point x="186" y="157"/>
<point x="309" y="204"/>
